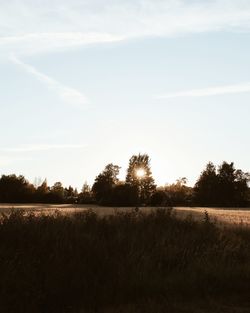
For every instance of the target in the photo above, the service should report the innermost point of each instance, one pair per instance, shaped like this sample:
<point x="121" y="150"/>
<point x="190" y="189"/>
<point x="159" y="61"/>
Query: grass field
<point x="220" y="215"/>
<point x="121" y="263"/>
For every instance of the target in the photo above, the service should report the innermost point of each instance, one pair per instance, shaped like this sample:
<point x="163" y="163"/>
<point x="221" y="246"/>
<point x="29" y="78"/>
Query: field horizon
<point x="222" y="215"/>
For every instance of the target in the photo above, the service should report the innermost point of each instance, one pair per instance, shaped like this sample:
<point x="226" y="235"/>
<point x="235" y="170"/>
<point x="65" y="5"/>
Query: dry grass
<point x="232" y="216"/>
<point x="220" y="215"/>
<point x="124" y="262"/>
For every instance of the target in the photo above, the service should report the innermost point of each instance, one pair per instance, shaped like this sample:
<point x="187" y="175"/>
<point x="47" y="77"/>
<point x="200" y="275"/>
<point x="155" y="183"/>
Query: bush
<point x="124" y="195"/>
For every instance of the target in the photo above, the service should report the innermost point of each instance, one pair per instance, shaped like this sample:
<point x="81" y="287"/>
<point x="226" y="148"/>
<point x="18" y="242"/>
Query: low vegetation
<point x="126" y="262"/>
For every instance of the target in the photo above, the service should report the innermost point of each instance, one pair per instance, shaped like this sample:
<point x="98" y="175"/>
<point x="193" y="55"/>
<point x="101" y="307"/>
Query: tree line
<point x="223" y="185"/>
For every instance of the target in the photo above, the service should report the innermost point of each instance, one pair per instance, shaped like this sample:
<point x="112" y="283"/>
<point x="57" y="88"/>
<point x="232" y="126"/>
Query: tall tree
<point x="179" y="193"/>
<point x="104" y="183"/>
<point x="57" y="193"/>
<point x="206" y="187"/>
<point x="42" y="192"/>
<point x="233" y="185"/>
<point x="225" y="187"/>
<point x="15" y="189"/>
<point x="70" y="195"/>
<point x="86" y="195"/>
<point x="139" y="176"/>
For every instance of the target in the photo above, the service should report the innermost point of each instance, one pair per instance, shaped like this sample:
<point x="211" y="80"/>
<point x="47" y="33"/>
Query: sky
<point x="86" y="83"/>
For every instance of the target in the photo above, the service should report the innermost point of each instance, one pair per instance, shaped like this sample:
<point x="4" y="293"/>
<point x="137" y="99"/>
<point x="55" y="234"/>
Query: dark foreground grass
<point x="122" y="263"/>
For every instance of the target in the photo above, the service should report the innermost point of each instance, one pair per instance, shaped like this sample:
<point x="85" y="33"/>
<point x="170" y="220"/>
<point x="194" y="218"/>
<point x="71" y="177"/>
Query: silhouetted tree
<point x="242" y="190"/>
<point x="42" y="192"/>
<point x="104" y="183"/>
<point x="57" y="193"/>
<point x="86" y="189"/>
<point x="70" y="195"/>
<point x="206" y="187"/>
<point x="140" y="177"/>
<point x="179" y="193"/>
<point x="86" y="195"/>
<point x="159" y="197"/>
<point x="124" y="195"/>
<point x="16" y="189"/>
<point x="225" y="187"/>
<point x="232" y="185"/>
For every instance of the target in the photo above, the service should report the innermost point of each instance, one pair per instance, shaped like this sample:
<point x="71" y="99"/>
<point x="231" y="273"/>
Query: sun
<point x="140" y="173"/>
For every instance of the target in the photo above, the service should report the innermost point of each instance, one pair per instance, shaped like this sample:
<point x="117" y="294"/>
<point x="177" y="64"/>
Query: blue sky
<point x="86" y="83"/>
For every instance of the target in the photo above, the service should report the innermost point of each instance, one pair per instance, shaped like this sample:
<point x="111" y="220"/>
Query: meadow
<point x="231" y="216"/>
<point x="126" y="261"/>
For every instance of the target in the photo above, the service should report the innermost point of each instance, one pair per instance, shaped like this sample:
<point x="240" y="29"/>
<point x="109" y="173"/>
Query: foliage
<point x="104" y="183"/>
<point x="224" y="187"/>
<point x="86" y="195"/>
<point x="57" y="193"/>
<point x="42" y="192"/>
<point x="15" y="189"/>
<point x="145" y="184"/>
<point x="159" y="197"/>
<point x="124" y="195"/>
<point x="206" y="188"/>
<point x="70" y="195"/>
<point x="127" y="262"/>
<point x="178" y="194"/>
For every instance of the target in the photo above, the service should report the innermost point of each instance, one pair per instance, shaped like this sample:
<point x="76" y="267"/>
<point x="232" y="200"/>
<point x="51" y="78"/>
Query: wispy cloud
<point x="206" y="92"/>
<point x="69" y="95"/>
<point x="42" y="147"/>
<point x="62" y="24"/>
<point x="39" y="42"/>
<point x="8" y="160"/>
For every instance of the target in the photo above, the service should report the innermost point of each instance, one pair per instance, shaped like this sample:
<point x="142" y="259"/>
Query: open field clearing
<point x="220" y="215"/>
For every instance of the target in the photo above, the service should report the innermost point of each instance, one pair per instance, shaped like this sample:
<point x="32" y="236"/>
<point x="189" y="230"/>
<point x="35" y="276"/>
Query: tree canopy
<point x="104" y="183"/>
<point x="225" y="186"/>
<point x="139" y="176"/>
<point x="222" y="186"/>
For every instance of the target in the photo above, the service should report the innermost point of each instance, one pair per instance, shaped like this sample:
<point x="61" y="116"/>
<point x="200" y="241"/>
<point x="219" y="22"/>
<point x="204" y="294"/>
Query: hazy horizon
<point x="87" y="83"/>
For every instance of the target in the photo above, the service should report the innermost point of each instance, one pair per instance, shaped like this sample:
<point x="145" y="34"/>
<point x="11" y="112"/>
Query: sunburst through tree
<point x="139" y="175"/>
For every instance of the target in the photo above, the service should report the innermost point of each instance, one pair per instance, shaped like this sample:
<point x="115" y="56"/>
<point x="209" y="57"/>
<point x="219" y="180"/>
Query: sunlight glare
<point x="140" y="173"/>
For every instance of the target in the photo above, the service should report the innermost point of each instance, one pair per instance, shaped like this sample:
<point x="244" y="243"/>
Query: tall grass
<point x="127" y="262"/>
